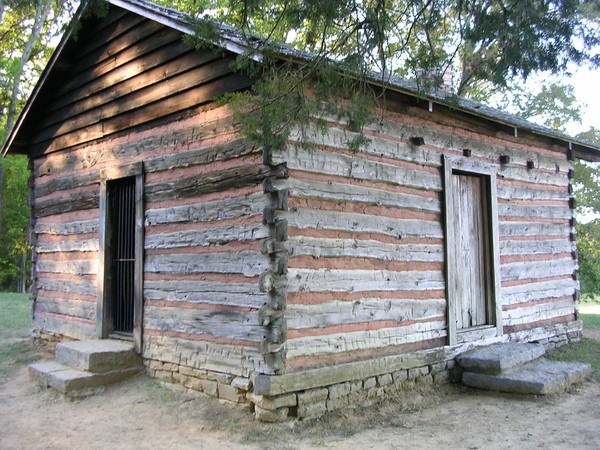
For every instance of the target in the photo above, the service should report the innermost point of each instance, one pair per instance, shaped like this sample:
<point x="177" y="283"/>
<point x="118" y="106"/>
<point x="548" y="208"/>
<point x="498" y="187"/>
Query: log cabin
<point x="297" y="280"/>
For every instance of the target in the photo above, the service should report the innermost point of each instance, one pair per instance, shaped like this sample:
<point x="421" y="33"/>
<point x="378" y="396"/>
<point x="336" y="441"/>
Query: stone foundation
<point x="318" y="391"/>
<point x="553" y="342"/>
<point x="215" y="384"/>
<point x="365" y="392"/>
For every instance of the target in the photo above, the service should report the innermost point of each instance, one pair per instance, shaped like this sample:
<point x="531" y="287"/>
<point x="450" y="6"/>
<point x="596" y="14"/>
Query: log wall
<point x="136" y="93"/>
<point x="366" y="237"/>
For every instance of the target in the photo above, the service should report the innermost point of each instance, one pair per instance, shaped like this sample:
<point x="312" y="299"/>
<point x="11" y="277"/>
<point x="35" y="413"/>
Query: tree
<point x="476" y="45"/>
<point x="13" y="224"/>
<point x="587" y="195"/>
<point x="28" y="31"/>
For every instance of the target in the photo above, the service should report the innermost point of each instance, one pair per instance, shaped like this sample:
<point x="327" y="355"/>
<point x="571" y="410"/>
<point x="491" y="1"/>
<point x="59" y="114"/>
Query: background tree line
<point x="484" y="50"/>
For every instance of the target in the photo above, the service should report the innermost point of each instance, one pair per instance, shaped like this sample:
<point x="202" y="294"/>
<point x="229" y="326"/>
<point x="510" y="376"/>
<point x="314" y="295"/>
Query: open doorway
<point x="120" y="277"/>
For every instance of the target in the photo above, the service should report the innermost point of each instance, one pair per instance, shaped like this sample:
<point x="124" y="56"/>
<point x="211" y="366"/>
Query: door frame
<point x="103" y="305"/>
<point x="469" y="166"/>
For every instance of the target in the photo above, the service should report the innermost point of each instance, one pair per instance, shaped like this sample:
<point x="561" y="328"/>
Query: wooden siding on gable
<point x="128" y="72"/>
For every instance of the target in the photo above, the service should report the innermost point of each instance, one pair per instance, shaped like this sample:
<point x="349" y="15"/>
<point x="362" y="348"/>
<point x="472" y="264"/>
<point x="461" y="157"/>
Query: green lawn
<point x="588" y="350"/>
<point x="15" y="326"/>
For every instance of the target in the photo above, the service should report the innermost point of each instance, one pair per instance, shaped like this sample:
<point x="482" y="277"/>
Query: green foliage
<point x="587" y="196"/>
<point x="476" y="46"/>
<point x="555" y="105"/>
<point x="588" y="244"/>
<point x="483" y="42"/>
<point x="14" y="218"/>
<point x="25" y="50"/>
<point x="288" y="99"/>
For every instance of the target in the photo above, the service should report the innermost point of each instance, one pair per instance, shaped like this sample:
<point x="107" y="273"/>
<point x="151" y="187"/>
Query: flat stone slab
<point x="541" y="378"/>
<point x="38" y="372"/>
<point x="498" y="358"/>
<point x="69" y="381"/>
<point x="98" y="355"/>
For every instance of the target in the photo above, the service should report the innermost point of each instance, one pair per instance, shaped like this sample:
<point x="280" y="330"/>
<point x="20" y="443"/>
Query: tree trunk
<point x="42" y="8"/>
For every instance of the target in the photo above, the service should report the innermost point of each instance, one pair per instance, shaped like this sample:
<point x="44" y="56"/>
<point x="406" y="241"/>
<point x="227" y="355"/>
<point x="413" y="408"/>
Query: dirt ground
<point x="143" y="414"/>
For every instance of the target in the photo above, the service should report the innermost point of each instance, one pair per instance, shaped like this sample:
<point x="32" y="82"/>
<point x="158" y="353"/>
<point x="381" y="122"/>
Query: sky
<point x="587" y="90"/>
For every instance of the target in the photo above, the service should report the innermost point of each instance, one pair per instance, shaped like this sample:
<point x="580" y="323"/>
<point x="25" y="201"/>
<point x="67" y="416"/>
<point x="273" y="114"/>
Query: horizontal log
<point x="206" y="237"/>
<point x="360" y="370"/>
<point x="323" y="247"/>
<point x="67" y="245"/>
<point x="147" y="91"/>
<point x="543" y="311"/>
<point x="85" y="286"/>
<point x="532" y="292"/>
<point x="392" y="140"/>
<point x="246" y="263"/>
<point x="335" y="191"/>
<point x="121" y="37"/>
<point x="531" y="193"/>
<point x="226" y="179"/>
<point x="364" y="310"/>
<point x="540" y="333"/>
<point x="364" y="340"/>
<point x="543" y="212"/>
<point x="511" y="229"/>
<point x="67" y="203"/>
<point x="209" y="125"/>
<point x="306" y="280"/>
<point x="64" y="325"/>
<point x="225" y="324"/>
<point x="533" y="176"/>
<point x="72" y="267"/>
<point x="205" y="155"/>
<point x="338" y="164"/>
<point x="394" y="146"/>
<point x="328" y="220"/>
<point x="207" y="292"/>
<point x="207" y="211"/>
<point x="158" y="37"/>
<point x="57" y="305"/>
<point x="205" y="355"/>
<point x="535" y="247"/>
<point x="66" y="183"/>
<point x="537" y="269"/>
<point x="69" y="228"/>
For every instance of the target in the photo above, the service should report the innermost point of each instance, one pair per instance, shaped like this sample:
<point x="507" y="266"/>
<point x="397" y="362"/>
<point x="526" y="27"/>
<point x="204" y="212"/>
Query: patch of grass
<point x="590" y="321"/>
<point x="15" y="315"/>
<point x="15" y="326"/>
<point x="586" y="351"/>
<point x="14" y="355"/>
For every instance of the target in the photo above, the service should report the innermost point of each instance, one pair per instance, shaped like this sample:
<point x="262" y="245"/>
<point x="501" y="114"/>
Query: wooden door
<point x="472" y="258"/>
<point x="472" y="303"/>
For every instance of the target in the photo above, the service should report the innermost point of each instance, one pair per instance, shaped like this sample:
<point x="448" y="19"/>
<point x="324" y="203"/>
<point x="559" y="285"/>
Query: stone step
<point x="499" y="358"/>
<point x="73" y="382"/>
<point x="539" y="378"/>
<point x="98" y="355"/>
